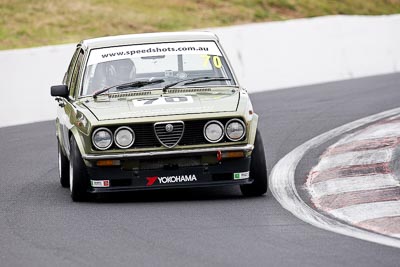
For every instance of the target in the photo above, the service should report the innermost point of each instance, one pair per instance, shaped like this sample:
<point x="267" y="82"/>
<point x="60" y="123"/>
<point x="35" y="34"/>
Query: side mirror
<point x="59" y="90"/>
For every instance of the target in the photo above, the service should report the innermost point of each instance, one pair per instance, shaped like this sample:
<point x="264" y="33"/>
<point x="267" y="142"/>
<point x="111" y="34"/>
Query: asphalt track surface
<point x="41" y="226"/>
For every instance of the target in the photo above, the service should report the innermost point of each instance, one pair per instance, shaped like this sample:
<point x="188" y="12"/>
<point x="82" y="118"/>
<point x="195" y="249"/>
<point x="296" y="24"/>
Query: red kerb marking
<point x="350" y="171"/>
<point x="385" y="225"/>
<point x="394" y="119"/>
<point x="338" y="201"/>
<point x="370" y="144"/>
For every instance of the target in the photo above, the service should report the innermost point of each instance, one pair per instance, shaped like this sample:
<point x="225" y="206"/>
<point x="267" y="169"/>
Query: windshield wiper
<point x="207" y="80"/>
<point x="195" y="80"/>
<point x="136" y="84"/>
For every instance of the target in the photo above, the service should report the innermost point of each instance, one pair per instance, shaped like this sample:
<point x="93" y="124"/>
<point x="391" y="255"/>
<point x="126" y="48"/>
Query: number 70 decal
<point x="162" y="101"/>
<point x="215" y="59"/>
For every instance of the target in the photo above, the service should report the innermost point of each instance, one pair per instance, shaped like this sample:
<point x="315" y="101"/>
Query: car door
<point x="67" y="107"/>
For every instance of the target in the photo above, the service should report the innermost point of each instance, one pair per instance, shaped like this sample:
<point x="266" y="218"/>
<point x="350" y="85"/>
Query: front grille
<point x="169" y="133"/>
<point x="193" y="134"/>
<point x="145" y="136"/>
<point x="184" y="134"/>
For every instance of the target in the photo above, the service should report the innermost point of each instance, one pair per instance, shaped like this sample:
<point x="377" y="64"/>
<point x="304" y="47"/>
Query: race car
<point x="155" y="111"/>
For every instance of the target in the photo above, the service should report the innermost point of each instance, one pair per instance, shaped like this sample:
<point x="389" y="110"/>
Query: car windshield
<point x="170" y="62"/>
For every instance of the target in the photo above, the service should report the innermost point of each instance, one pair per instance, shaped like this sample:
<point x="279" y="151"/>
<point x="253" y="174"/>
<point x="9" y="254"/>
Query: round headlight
<point x="102" y="138"/>
<point x="124" y="137"/>
<point x="213" y="131"/>
<point x="235" y="129"/>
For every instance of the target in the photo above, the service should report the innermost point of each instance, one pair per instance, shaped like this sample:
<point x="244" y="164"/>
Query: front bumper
<point x="246" y="148"/>
<point x="171" y="169"/>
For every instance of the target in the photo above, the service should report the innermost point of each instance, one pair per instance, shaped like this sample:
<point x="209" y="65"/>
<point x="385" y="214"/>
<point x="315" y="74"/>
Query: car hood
<point x="109" y="108"/>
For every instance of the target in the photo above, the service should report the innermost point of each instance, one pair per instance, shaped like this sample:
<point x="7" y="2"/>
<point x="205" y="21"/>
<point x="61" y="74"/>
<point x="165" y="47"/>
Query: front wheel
<point x="258" y="171"/>
<point x="78" y="175"/>
<point x="63" y="167"/>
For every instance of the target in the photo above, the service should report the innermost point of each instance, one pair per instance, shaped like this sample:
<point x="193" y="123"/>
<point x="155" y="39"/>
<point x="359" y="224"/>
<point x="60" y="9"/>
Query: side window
<point x="67" y="76"/>
<point x="75" y="75"/>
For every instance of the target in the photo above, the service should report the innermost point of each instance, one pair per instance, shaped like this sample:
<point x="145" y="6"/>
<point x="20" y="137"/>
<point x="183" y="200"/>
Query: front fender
<point x="77" y="135"/>
<point x="253" y="129"/>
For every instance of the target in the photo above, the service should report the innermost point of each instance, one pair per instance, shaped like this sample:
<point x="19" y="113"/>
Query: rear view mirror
<point x="59" y="90"/>
<point x="153" y="57"/>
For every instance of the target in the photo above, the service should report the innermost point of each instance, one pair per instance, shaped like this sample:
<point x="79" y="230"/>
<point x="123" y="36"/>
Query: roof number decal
<point x="215" y="59"/>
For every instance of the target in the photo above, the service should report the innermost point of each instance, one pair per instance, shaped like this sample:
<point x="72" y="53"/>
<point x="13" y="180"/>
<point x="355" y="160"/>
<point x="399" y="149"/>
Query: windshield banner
<point x="152" y="50"/>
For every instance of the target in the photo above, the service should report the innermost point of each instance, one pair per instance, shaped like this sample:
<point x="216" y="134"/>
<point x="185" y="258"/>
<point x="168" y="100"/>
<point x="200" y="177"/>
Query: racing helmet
<point x="120" y="71"/>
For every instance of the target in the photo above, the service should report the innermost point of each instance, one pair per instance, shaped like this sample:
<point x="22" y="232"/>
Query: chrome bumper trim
<point x="246" y="148"/>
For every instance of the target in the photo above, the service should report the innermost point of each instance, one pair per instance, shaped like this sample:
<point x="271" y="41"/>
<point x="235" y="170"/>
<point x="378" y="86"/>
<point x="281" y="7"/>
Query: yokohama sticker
<point x="171" y="179"/>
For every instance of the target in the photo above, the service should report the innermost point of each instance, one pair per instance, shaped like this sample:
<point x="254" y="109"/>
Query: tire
<point x="63" y="167"/>
<point x="78" y="175"/>
<point x="258" y="171"/>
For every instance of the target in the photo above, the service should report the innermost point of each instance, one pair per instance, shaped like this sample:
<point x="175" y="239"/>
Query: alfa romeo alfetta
<point x="154" y="111"/>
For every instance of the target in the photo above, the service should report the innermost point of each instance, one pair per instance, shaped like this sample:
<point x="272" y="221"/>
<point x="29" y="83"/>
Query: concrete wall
<point x="307" y="51"/>
<point x="265" y="56"/>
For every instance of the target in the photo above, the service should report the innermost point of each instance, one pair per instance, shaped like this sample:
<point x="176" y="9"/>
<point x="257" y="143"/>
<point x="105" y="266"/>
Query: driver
<point x="120" y="71"/>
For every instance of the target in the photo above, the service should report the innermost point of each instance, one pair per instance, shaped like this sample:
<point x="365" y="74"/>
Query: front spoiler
<point x="180" y="186"/>
<point x="246" y="148"/>
<point x="225" y="172"/>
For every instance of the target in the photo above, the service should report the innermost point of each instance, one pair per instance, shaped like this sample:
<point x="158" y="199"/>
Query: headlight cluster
<point x="103" y="138"/>
<point x="234" y="130"/>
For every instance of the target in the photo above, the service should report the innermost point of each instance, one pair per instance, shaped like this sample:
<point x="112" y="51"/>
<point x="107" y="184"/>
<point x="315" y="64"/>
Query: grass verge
<point x="27" y="23"/>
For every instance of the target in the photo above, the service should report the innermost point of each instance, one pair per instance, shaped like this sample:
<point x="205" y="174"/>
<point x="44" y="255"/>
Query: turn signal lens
<point x="108" y="163"/>
<point x="233" y="154"/>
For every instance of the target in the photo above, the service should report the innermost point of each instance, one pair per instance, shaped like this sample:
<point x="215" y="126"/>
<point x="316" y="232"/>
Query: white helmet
<point x="120" y="71"/>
